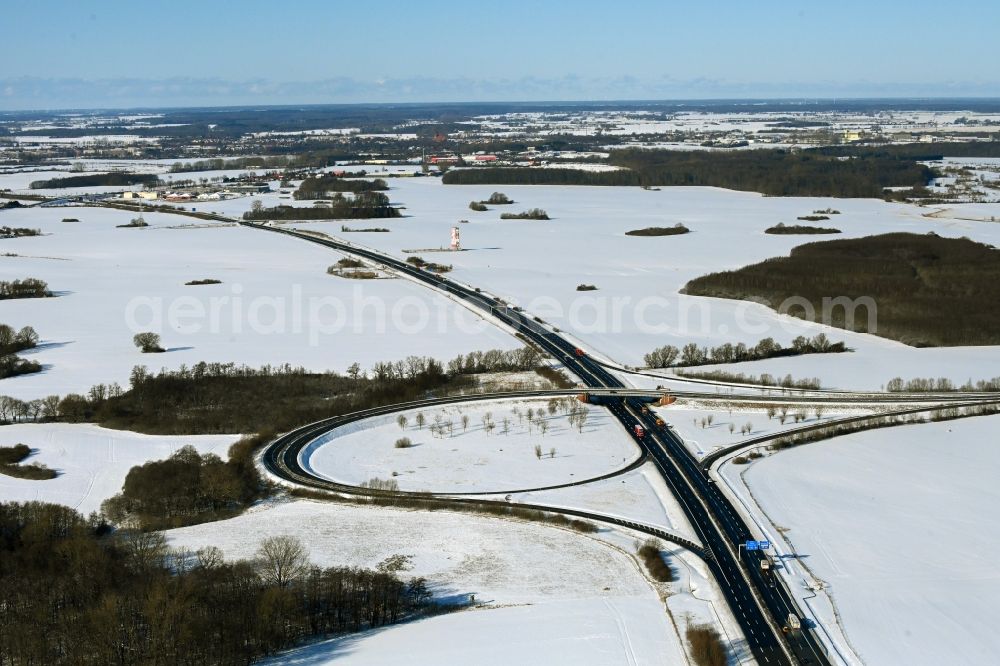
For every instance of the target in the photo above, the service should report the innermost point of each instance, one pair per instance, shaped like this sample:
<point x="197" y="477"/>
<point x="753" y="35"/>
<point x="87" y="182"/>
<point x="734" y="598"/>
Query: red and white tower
<point x="455" y="245"/>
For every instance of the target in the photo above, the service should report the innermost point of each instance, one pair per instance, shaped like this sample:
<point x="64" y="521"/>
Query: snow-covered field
<point x="467" y="457"/>
<point x="691" y="422"/>
<point x="542" y="594"/>
<point x="880" y="515"/>
<point x="641" y="495"/>
<point x="276" y="304"/>
<point x="900" y="526"/>
<point x="92" y="461"/>
<point x="575" y="631"/>
<point x="636" y="308"/>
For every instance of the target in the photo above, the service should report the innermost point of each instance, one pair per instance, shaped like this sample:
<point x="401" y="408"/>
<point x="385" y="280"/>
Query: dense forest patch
<point x="926" y="290"/>
<point x="75" y="592"/>
<point x="771" y="172"/>
<point x="111" y="179"/>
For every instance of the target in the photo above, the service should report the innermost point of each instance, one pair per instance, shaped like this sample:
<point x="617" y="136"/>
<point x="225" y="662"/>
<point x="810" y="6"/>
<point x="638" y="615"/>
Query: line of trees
<point x="531" y="214"/>
<point x="26" y="288"/>
<point x="881" y="421"/>
<point x="219" y="164"/>
<point x="793" y="229"/>
<point x="928" y="384"/>
<point x="765" y="379"/>
<point x="363" y="205"/>
<point x="74" y="591"/>
<point x="18" y="232"/>
<point x="691" y="354"/>
<point x="226" y="397"/>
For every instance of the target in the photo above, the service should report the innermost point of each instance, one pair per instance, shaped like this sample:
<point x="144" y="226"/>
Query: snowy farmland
<point x="588" y="593"/>
<point x="475" y="448"/>
<point x="636" y="307"/>
<point x="816" y="493"/>
<point x="275" y="303"/>
<point x="538" y="264"/>
<point x="899" y="527"/>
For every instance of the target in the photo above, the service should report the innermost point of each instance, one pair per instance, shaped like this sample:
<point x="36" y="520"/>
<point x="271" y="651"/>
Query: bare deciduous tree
<point x="282" y="559"/>
<point x="208" y="557"/>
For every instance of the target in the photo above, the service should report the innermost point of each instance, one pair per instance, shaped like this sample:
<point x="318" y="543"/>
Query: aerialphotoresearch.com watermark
<point x="370" y="312"/>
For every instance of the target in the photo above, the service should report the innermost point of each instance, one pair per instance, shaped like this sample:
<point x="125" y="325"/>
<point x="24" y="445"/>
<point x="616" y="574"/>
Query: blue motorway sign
<point x="763" y="545"/>
<point x="751" y="545"/>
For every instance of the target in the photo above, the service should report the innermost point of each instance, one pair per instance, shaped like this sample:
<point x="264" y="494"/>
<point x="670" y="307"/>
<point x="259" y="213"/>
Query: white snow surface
<point x="538" y="264"/>
<point x="900" y="525"/>
<point x="473" y="460"/>
<point x="92" y="461"/>
<point x="588" y="595"/>
<point x="636" y="308"/>
<point x="276" y="304"/>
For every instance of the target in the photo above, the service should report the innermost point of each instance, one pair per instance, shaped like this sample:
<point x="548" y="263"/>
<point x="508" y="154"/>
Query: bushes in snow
<point x="11" y="456"/>
<point x="532" y="214"/>
<point x="706" y="646"/>
<point x="26" y="288"/>
<point x="652" y="558"/>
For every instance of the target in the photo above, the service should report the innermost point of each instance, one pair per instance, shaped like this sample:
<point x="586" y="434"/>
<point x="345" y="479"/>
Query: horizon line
<point x="552" y="102"/>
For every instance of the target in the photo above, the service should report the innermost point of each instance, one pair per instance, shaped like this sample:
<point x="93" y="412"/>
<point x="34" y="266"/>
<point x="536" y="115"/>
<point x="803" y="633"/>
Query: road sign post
<point x="750" y="544"/>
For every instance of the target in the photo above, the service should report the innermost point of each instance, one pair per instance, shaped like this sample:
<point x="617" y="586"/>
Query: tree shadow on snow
<point x="44" y="346"/>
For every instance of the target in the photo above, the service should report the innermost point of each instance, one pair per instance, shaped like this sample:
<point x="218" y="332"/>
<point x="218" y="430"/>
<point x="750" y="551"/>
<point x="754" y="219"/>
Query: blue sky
<point x="65" y="53"/>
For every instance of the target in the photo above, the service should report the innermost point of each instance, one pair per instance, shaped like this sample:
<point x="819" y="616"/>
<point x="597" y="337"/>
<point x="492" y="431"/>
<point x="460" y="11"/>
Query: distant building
<point x="853" y="135"/>
<point x="486" y="158"/>
<point x="148" y="196"/>
<point x="251" y="188"/>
